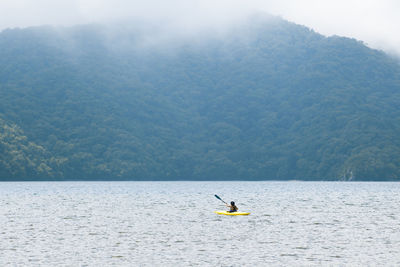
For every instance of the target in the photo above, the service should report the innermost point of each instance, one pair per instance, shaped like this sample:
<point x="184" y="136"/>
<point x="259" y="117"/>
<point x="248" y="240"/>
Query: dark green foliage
<point x="266" y="100"/>
<point x="24" y="159"/>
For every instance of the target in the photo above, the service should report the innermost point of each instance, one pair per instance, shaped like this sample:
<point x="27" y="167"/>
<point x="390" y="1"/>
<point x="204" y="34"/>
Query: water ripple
<point x="172" y="223"/>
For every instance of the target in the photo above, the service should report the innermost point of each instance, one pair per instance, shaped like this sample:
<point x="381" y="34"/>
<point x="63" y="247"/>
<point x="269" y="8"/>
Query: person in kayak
<point x="232" y="207"/>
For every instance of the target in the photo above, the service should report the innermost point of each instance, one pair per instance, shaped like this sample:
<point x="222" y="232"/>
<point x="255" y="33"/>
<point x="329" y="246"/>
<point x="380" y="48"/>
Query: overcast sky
<point x="375" y="22"/>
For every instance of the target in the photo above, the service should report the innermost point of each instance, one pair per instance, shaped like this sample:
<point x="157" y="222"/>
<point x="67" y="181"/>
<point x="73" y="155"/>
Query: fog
<point x="375" y="22"/>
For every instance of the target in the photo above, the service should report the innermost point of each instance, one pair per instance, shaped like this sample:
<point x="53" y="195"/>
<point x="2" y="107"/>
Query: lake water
<point x="173" y="224"/>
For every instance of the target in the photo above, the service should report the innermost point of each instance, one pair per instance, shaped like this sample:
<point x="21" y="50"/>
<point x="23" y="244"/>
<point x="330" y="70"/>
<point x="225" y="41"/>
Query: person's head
<point x="232" y="203"/>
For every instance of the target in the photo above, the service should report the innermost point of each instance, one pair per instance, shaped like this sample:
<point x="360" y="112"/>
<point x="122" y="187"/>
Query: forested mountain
<point x="264" y="99"/>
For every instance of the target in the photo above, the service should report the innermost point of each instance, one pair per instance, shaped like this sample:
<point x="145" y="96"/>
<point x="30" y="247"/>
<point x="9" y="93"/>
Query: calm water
<point x="173" y="224"/>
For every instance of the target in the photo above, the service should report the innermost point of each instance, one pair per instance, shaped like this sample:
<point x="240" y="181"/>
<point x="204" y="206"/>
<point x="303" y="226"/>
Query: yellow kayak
<point x="224" y="212"/>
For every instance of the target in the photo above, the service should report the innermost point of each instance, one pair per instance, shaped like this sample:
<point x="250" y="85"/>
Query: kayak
<point x="224" y="212"/>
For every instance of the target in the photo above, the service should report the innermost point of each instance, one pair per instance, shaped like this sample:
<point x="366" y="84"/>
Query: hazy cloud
<point x="376" y="22"/>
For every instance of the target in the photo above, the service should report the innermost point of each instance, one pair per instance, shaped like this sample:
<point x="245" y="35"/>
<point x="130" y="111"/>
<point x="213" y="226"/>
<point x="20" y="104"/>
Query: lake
<point x="173" y="224"/>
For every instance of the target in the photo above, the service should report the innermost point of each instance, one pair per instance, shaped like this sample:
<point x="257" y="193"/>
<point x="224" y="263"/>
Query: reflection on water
<point x="170" y="223"/>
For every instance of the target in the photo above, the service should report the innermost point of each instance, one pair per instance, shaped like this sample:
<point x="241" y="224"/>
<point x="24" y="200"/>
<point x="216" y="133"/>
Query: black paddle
<point x="220" y="199"/>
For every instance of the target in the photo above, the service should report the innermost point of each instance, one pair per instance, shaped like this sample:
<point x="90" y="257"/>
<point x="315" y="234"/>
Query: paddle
<point x="220" y="199"/>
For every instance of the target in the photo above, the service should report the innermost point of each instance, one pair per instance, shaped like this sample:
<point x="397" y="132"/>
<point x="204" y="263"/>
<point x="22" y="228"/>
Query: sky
<point x="375" y="22"/>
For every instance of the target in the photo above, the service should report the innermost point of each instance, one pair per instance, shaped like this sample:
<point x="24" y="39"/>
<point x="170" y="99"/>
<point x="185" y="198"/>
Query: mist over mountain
<point x="261" y="99"/>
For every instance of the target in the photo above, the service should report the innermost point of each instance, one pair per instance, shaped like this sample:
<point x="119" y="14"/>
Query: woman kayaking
<point x="232" y="207"/>
<point x="233" y="210"/>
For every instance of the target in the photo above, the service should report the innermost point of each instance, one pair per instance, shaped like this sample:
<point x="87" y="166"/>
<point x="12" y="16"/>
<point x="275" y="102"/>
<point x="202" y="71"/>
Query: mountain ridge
<point x="267" y="100"/>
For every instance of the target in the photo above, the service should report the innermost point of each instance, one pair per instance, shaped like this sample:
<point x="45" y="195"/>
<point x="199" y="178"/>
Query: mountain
<point x="262" y="99"/>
